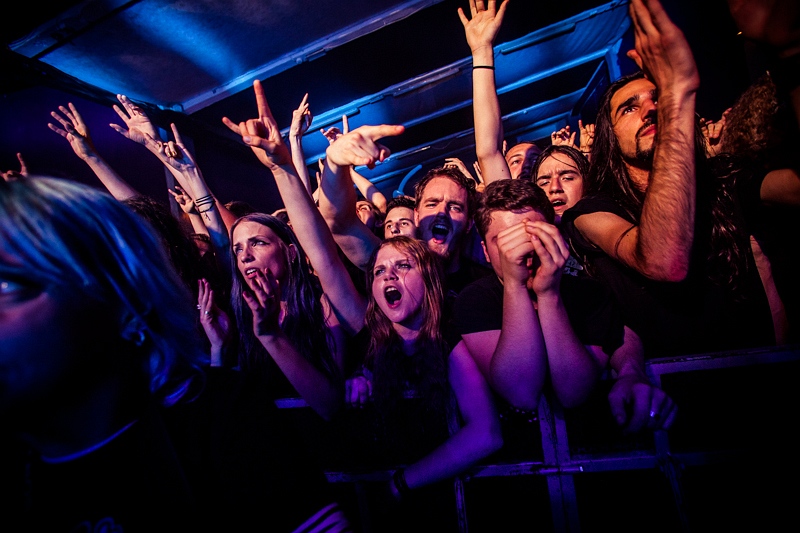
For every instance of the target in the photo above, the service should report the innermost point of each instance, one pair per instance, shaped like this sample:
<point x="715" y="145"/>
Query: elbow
<point x="667" y="269"/>
<point x="671" y="273"/>
<point x="489" y="441"/>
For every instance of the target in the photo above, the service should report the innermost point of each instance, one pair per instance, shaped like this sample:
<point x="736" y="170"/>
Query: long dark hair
<point x="725" y="247"/>
<point x="304" y="323"/>
<point x="607" y="170"/>
<point x="391" y="368"/>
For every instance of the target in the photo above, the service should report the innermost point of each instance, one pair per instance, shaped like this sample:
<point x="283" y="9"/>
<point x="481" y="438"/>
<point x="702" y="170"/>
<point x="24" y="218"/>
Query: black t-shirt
<point x="468" y="272"/>
<point x="675" y="318"/>
<point x="590" y="307"/>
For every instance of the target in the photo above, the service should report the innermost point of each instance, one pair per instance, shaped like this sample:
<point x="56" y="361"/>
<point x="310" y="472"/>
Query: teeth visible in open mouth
<point x="392" y="295"/>
<point x="250" y="271"/>
<point x="439" y="230"/>
<point x="558" y="203"/>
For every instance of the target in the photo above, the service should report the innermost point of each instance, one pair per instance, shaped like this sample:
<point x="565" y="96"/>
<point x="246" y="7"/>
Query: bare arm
<point x="186" y="204"/>
<point x="337" y="200"/>
<point x="514" y="359"/>
<point x="481" y="31"/>
<point x="263" y="136"/>
<point x="480" y="435"/>
<point x="368" y="190"/>
<point x="301" y="121"/>
<point x="659" y="246"/>
<point x="75" y="131"/>
<point x="574" y="368"/>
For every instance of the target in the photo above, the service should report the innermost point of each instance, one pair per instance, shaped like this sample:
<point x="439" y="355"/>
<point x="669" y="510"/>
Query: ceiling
<point x="376" y="61"/>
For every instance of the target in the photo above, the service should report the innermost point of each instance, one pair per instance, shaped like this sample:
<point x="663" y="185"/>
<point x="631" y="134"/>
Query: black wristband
<point x="482" y="66"/>
<point x="399" y="480"/>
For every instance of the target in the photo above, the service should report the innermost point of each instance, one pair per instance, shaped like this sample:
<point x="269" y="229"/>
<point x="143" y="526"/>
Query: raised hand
<point x="264" y="300"/>
<point x="454" y="162"/>
<point x="301" y="118"/>
<point x="712" y="132"/>
<point x="11" y="175"/>
<point x="333" y="132"/>
<point x="185" y="201"/>
<point x="563" y="136"/>
<point x="586" y="137"/>
<point x="661" y="49"/>
<point x="481" y="29"/>
<point x="74" y="130"/>
<point x="262" y="134"/>
<point x="136" y="120"/>
<point x="215" y="322"/>
<point x="360" y="146"/>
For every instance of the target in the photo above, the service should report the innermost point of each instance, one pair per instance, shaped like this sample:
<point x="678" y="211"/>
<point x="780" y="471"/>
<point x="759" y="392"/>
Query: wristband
<point x="482" y="66"/>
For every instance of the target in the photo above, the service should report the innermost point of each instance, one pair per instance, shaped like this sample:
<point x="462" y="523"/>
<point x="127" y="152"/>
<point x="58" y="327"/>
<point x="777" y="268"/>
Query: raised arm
<point x="478" y="437"/>
<point x="264" y="138"/>
<point x="75" y="131"/>
<point x="481" y="30"/>
<point x="337" y="200"/>
<point x="368" y="190"/>
<point x="186" y="204"/>
<point x="301" y="120"/>
<point x="659" y="246"/>
<point x="139" y="127"/>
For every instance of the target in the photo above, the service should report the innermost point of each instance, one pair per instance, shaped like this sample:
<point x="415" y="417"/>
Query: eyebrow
<point x="635" y="98"/>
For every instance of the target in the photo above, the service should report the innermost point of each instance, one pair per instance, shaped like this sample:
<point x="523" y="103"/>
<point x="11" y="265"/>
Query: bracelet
<point x="399" y="480"/>
<point x="482" y="66"/>
<point x="210" y="207"/>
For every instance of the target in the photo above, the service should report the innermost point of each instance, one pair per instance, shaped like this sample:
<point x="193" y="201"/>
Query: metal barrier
<point x="727" y="462"/>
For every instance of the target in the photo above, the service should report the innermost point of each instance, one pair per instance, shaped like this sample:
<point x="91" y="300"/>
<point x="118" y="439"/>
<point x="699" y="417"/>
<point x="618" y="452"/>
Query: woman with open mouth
<point x="431" y="406"/>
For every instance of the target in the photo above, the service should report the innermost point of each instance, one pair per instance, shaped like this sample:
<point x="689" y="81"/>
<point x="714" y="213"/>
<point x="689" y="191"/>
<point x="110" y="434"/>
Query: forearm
<point x="319" y="391"/>
<point x="197" y="223"/>
<point x="206" y="206"/>
<point x="112" y="181"/>
<point x="666" y="229"/>
<point x="320" y="247"/>
<point x="487" y="118"/>
<point x="299" y="160"/>
<point x="573" y="369"/>
<point x="519" y="362"/>
<point x="628" y="359"/>
<point x="368" y="190"/>
<point x="337" y="205"/>
<point x="458" y="453"/>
